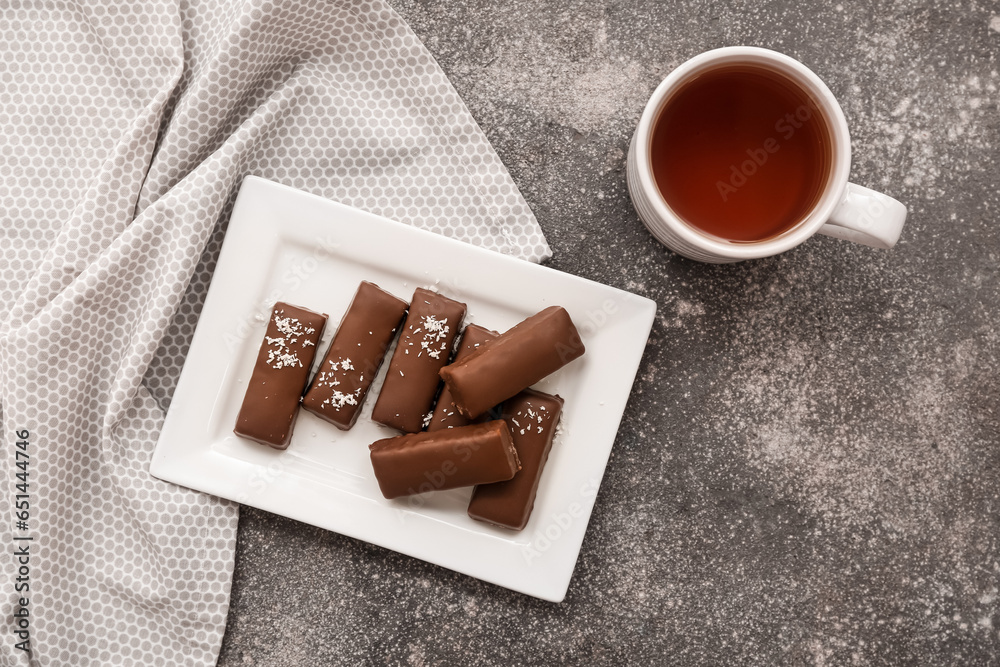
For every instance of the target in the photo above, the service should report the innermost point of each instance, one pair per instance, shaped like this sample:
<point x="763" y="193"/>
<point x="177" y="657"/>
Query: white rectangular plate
<point x="287" y="245"/>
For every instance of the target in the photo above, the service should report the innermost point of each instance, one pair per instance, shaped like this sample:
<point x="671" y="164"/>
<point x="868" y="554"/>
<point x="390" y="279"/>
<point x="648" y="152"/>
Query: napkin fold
<point x="125" y="130"/>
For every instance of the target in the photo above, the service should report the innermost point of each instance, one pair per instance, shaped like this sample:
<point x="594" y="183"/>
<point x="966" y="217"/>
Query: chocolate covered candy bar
<point x="448" y="459"/>
<point x="355" y="355"/>
<point x="446" y="415"/>
<point x="272" y="398"/>
<point x="517" y="359"/>
<point x="532" y="417"/>
<point x="424" y="346"/>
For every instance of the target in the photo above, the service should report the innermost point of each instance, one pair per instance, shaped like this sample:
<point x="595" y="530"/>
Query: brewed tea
<point x="741" y="153"/>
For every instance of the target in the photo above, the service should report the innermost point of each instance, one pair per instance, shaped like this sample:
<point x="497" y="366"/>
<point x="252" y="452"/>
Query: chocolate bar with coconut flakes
<point x="446" y="415"/>
<point x="271" y="402"/>
<point x="448" y="459"/>
<point x="356" y="353"/>
<point x="412" y="381"/>
<point x="532" y="417"/>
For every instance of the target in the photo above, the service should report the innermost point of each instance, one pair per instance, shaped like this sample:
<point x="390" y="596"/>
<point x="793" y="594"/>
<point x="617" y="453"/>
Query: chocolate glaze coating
<point x="517" y="359"/>
<point x="341" y="384"/>
<point x="448" y="459"/>
<point x="532" y="417"/>
<point x="271" y="402"/>
<point x="446" y="415"/>
<point x="412" y="382"/>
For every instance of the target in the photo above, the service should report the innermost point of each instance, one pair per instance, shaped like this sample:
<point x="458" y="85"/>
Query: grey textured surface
<point x="807" y="472"/>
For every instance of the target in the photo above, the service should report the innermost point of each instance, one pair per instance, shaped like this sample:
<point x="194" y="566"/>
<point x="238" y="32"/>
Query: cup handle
<point x="866" y="217"/>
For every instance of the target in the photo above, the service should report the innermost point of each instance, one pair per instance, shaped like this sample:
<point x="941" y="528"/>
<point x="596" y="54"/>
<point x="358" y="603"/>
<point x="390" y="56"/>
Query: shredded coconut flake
<point x="328" y="379"/>
<point x="435" y="336"/>
<point x="339" y="399"/>
<point x="280" y="353"/>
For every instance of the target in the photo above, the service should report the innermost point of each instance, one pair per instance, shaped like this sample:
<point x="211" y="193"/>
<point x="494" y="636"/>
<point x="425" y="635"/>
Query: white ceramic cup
<point x="844" y="210"/>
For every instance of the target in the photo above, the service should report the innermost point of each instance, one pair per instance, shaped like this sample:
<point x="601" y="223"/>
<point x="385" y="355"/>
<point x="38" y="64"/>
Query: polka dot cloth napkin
<point x="125" y="130"/>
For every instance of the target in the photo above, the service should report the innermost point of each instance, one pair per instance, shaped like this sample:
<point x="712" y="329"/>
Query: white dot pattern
<point x="125" y="130"/>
